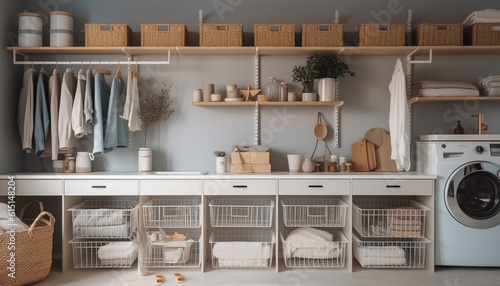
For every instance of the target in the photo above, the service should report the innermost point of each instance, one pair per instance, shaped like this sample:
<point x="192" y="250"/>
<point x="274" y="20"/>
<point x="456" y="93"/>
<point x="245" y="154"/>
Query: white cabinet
<point x="314" y="187"/>
<point x="32" y="187"/>
<point x="239" y="187"/>
<point x="101" y="187"/>
<point x="171" y="187"/>
<point x="391" y="187"/>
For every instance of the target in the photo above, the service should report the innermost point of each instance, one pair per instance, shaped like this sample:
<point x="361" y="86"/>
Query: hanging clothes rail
<point x="127" y="62"/>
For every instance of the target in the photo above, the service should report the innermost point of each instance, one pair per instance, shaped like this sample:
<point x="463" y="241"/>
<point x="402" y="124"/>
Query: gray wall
<point x="188" y="139"/>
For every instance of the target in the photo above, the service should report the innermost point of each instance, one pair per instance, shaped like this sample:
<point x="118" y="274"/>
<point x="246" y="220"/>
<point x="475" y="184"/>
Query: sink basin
<point x="175" y="173"/>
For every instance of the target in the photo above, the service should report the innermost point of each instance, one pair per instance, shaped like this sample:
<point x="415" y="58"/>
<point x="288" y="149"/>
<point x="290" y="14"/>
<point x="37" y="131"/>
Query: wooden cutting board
<point x="382" y="142"/>
<point x="363" y="156"/>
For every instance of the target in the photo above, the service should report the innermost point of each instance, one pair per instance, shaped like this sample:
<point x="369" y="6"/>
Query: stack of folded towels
<point x="433" y="88"/>
<point x="376" y="256"/>
<point x="483" y="16"/>
<point x="490" y="85"/>
<point x="118" y="253"/>
<point x="306" y="242"/>
<point x="403" y="221"/>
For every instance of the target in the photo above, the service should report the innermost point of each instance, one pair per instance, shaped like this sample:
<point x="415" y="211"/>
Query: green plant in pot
<point x="328" y="68"/>
<point x="304" y="74"/>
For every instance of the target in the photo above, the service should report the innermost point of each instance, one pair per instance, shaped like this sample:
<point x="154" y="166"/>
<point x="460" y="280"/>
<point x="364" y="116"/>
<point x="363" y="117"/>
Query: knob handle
<point x="480" y="149"/>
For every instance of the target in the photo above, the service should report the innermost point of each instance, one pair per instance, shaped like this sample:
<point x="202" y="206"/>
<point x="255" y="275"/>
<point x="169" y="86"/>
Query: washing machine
<point x="467" y="197"/>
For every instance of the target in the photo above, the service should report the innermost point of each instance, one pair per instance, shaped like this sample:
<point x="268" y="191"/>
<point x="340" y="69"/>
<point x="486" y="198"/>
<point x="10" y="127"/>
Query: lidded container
<point x="61" y="29"/>
<point x="283" y="92"/>
<point x="30" y="29"/>
<point x="272" y="89"/>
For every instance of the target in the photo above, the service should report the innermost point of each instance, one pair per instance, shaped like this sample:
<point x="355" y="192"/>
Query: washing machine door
<point x="472" y="194"/>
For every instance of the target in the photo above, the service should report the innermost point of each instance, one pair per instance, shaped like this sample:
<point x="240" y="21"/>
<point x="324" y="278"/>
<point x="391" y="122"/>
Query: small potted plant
<point x="220" y="161"/>
<point x="306" y="75"/>
<point x="328" y="68"/>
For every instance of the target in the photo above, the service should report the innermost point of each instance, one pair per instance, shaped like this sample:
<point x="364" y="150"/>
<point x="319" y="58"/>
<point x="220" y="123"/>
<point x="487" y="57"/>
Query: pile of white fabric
<point x="483" y="16"/>
<point x="6" y="223"/>
<point x="433" y="88"/>
<point x="490" y="85"/>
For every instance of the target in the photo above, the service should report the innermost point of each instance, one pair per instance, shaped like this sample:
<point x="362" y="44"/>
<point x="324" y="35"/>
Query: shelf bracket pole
<point x="336" y="133"/>
<point x="336" y="20"/>
<point x="257" y="68"/>
<point x="256" y="124"/>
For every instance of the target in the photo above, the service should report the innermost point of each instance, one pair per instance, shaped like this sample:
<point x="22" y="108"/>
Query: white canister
<point x="221" y="164"/>
<point x="208" y="89"/>
<point x="145" y="160"/>
<point x="30" y="29"/>
<point x="197" y="95"/>
<point x="61" y="29"/>
<point x="84" y="162"/>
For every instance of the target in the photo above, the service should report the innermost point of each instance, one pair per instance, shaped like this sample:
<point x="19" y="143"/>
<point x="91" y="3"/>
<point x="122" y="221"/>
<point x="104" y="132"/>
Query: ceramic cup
<point x="231" y="87"/>
<point x="309" y="96"/>
<point x="197" y="95"/>
<point x="292" y="96"/>
<point x="58" y="166"/>
<point x="295" y="162"/>
<point x="233" y="94"/>
<point x="216" y="97"/>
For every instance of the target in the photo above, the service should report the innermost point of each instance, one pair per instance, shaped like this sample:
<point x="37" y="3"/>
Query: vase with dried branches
<point x="154" y="108"/>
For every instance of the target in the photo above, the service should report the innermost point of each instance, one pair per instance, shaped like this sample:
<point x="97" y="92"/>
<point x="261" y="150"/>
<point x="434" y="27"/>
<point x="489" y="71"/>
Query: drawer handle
<point x="98" y="187"/>
<point x="240" y="186"/>
<point x="393" y="186"/>
<point x="316" y="186"/>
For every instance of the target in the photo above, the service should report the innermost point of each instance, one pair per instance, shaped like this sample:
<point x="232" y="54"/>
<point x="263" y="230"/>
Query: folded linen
<point x="491" y="81"/>
<point x="100" y="218"/>
<point x="312" y="243"/>
<point x="405" y="233"/>
<point x="123" y="262"/>
<point x="113" y="231"/>
<point x="4" y="211"/>
<point x="403" y="222"/>
<point x="482" y="16"/>
<point x="117" y="250"/>
<point x="381" y="251"/>
<point x="243" y="263"/>
<point x="242" y="250"/>
<point x="492" y="91"/>
<point x="404" y="227"/>
<point x="443" y="84"/>
<point x="435" y="92"/>
<point x="6" y="224"/>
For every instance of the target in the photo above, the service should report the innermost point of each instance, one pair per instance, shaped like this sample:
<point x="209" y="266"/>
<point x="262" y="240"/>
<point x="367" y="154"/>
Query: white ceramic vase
<point x="221" y="164"/>
<point x="327" y="89"/>
<point x="308" y="166"/>
<point x="145" y="160"/>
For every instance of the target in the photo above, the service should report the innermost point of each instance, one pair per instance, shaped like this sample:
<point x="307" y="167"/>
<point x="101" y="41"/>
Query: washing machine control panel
<point x="479" y="149"/>
<point x="495" y="150"/>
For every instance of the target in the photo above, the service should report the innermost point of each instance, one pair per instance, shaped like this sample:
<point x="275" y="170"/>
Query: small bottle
<point x="283" y="92"/>
<point x="69" y="163"/>
<point x="272" y="89"/>
<point x="332" y="166"/>
<point x="335" y="160"/>
<point x="342" y="163"/>
<point x="321" y="162"/>
<point x="459" y="129"/>
<point x="348" y="167"/>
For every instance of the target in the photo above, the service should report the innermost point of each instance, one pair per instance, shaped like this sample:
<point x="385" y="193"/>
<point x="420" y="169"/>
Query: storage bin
<point x="107" y="35"/>
<point x="390" y="253"/>
<point x="166" y="254"/>
<point x="382" y="35"/>
<point x="315" y="255"/>
<point x="322" y="35"/>
<point x="274" y="35"/>
<point x="30" y="29"/>
<point x="314" y="212"/>
<point x="103" y="254"/>
<point x="438" y="34"/>
<point x="116" y="219"/>
<point x="229" y="212"/>
<point x="242" y="248"/>
<point x="389" y="218"/>
<point x="61" y="29"/>
<point x="163" y="35"/>
<point x="229" y="35"/>
<point x="483" y="34"/>
<point x="172" y="213"/>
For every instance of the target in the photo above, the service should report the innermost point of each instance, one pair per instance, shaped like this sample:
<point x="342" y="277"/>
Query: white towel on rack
<point x="482" y="16"/>
<point x="398" y="119"/>
<point x="117" y="250"/>
<point x="132" y="107"/>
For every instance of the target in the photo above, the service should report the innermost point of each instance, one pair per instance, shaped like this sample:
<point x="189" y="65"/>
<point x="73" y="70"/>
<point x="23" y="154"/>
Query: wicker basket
<point x="163" y="35"/>
<point x="227" y="35"/>
<point x="482" y="34"/>
<point x="438" y="34"/>
<point x="382" y="35"/>
<point x="281" y="35"/>
<point x="322" y="35"/>
<point x="33" y="252"/>
<point x="107" y="35"/>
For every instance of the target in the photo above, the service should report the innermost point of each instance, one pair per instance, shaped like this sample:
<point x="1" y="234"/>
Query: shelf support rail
<point x="128" y="62"/>
<point x="257" y="68"/>
<point x="256" y="121"/>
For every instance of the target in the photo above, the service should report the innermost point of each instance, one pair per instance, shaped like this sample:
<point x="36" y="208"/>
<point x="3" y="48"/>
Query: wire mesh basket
<point x="226" y="212"/>
<point x="108" y="219"/>
<point x="103" y="254"/>
<point x="242" y="248"/>
<point x="389" y="218"/>
<point x="390" y="253"/>
<point x="171" y="254"/>
<point x="172" y="213"/>
<point x="314" y="212"/>
<point x="299" y="253"/>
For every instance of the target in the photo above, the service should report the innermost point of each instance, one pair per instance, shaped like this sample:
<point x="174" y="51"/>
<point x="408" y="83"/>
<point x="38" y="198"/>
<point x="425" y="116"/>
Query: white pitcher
<point x="84" y="162"/>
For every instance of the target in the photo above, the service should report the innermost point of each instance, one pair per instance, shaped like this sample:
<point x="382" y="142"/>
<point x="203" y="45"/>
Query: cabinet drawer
<point x="393" y="187"/>
<point x="33" y="187"/>
<point x="171" y="187"/>
<point x="314" y="187"/>
<point x="101" y="187"/>
<point x="239" y="187"/>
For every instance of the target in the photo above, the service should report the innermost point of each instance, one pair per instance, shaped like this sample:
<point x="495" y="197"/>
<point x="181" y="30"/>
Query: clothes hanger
<point x="119" y="74"/>
<point x="100" y="70"/>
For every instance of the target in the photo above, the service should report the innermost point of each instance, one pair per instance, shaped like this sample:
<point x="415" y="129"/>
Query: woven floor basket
<point x="33" y="250"/>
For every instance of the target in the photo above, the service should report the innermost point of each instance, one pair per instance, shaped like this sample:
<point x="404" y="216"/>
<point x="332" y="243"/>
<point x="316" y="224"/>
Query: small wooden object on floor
<point x="159" y="279"/>
<point x="178" y="277"/>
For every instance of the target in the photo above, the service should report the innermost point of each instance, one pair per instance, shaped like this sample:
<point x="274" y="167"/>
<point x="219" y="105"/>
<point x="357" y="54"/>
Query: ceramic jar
<point x="84" y="162"/>
<point x="30" y="29"/>
<point x="145" y="160"/>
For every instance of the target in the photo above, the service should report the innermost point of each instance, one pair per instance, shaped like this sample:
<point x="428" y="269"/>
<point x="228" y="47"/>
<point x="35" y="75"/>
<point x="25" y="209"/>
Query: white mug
<point x="84" y="162"/>
<point x="295" y="162"/>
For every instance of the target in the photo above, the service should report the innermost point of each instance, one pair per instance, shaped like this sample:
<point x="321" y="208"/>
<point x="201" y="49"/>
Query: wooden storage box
<point x="322" y="35"/>
<point x="107" y="35"/>
<point x="280" y="35"/>
<point x="227" y="35"/>
<point x="249" y="157"/>
<point x="438" y="34"/>
<point x="163" y="35"/>
<point x="382" y="35"/>
<point x="250" y="168"/>
<point x="487" y="34"/>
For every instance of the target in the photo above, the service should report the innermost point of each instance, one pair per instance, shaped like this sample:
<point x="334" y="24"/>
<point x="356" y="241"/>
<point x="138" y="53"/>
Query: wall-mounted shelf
<point x="423" y="99"/>
<point x="271" y="103"/>
<point x="194" y="50"/>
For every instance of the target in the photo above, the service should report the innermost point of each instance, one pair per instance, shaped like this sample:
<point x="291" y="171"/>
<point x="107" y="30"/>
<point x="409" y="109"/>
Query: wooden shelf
<point x="452" y="99"/>
<point x="288" y="51"/>
<point x="271" y="103"/>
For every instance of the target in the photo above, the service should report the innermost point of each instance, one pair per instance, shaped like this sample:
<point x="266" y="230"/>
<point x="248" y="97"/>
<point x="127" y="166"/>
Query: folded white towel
<point x="117" y="250"/>
<point x="6" y="224"/>
<point x="382" y="251"/>
<point x="100" y="218"/>
<point x="242" y="250"/>
<point x="491" y="81"/>
<point x="492" y="91"/>
<point x="4" y="211"/>
<point x="482" y="16"/>
<point x="311" y="243"/>
<point x="402" y="222"/>
<point x="113" y="231"/>
<point x="443" y="84"/>
<point x="436" y="92"/>
<point x="243" y="263"/>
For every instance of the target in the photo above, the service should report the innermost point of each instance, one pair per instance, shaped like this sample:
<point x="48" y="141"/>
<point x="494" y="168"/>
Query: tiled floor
<point x="446" y="276"/>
